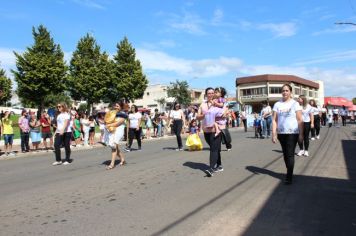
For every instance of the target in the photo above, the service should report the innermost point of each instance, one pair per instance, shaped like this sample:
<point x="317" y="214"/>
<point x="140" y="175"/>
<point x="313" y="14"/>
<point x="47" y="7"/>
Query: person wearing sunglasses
<point x="63" y="135"/>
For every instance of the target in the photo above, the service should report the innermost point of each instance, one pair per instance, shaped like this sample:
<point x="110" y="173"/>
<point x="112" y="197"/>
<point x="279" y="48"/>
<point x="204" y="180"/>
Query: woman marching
<point x="134" y="127"/>
<point x="63" y="135"/>
<point x="178" y="118"/>
<point x="114" y="132"/>
<point x="287" y="127"/>
<point x="316" y="130"/>
<point x="208" y="113"/>
<point x="308" y="122"/>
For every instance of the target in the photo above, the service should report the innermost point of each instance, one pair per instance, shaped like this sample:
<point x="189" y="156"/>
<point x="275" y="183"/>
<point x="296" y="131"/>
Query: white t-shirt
<point x="176" y="114"/>
<point x="266" y="110"/>
<point x="61" y="118"/>
<point x="323" y="110"/>
<point x="287" y="117"/>
<point x="336" y="111"/>
<point x="306" y="113"/>
<point x="133" y="118"/>
<point x="316" y="111"/>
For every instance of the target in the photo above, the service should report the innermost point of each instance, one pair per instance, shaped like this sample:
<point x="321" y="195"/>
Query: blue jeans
<point x="8" y="139"/>
<point x="267" y="125"/>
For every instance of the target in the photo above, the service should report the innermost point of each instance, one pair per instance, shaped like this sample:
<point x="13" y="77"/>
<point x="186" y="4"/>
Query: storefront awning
<point x="352" y="108"/>
<point x="337" y="101"/>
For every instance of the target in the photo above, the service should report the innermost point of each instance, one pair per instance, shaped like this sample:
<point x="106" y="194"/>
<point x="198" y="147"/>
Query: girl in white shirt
<point x="316" y="130"/>
<point x="308" y="122"/>
<point x="178" y="118"/>
<point x="63" y="135"/>
<point x="287" y="127"/>
<point x="134" y="127"/>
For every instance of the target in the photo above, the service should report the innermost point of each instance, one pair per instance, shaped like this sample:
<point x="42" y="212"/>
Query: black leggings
<point x="288" y="143"/>
<point x="316" y="129"/>
<point x="134" y="133"/>
<point x="25" y="138"/>
<point x="177" y="129"/>
<point x="215" y="148"/>
<point x="244" y="121"/>
<point x="65" y="140"/>
<point x="343" y="120"/>
<point x="306" y="137"/>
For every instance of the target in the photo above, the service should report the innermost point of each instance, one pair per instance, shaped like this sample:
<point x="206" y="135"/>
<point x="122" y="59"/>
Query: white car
<point x="16" y="110"/>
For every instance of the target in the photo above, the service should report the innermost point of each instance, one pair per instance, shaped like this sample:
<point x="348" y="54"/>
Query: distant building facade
<point x="252" y="90"/>
<point x="156" y="96"/>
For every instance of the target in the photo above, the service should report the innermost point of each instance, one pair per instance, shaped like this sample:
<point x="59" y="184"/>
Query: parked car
<point x="16" y="110"/>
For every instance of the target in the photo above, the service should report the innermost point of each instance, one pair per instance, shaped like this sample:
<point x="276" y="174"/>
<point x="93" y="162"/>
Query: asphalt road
<point x="164" y="192"/>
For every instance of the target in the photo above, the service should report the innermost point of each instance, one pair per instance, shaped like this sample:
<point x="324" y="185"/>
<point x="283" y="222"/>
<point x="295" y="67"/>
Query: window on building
<point x="311" y="94"/>
<point x="297" y="91"/>
<point x="304" y="92"/>
<point x="275" y="90"/>
<point x="316" y="94"/>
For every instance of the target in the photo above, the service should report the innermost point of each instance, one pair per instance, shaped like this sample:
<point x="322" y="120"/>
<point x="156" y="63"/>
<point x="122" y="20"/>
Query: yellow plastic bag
<point x="194" y="143"/>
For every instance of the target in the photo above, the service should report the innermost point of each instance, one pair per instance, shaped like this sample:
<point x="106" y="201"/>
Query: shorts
<point x="8" y="139"/>
<point x="47" y="135"/>
<point x="91" y="130"/>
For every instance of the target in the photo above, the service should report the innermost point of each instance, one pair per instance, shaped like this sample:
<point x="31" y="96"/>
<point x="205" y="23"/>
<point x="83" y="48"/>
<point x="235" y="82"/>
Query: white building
<point x="156" y="96"/>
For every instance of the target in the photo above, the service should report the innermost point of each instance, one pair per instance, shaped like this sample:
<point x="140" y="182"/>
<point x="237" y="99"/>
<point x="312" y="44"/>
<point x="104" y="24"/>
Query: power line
<point x="345" y="23"/>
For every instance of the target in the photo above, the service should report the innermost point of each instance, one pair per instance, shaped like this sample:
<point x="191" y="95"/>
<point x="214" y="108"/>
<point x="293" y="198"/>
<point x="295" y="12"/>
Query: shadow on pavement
<point x="196" y="166"/>
<point x="311" y="205"/>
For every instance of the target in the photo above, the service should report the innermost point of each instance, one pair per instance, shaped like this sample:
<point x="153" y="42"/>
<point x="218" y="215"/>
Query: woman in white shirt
<point x="308" y="122"/>
<point x="287" y="127"/>
<point x="267" y="119"/>
<point x="343" y="114"/>
<point x="134" y="128"/>
<point x="178" y="118"/>
<point x="84" y="121"/>
<point x="63" y="135"/>
<point x="316" y="130"/>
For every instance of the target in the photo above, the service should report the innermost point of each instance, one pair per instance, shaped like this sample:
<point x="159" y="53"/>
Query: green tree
<point x="180" y="91"/>
<point x="129" y="82"/>
<point x="90" y="72"/>
<point x="5" y="87"/>
<point x="354" y="101"/>
<point x="41" y="69"/>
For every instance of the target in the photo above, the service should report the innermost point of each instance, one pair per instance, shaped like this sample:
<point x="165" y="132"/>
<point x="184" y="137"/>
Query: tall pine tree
<point x="90" y="72"/>
<point x="129" y="82"/>
<point x="41" y="69"/>
<point x="5" y="87"/>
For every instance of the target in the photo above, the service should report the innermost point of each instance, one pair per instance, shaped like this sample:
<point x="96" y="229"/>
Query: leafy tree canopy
<point x="129" y="82"/>
<point x="41" y="69"/>
<point x="5" y="87"/>
<point x="180" y="91"/>
<point x="90" y="72"/>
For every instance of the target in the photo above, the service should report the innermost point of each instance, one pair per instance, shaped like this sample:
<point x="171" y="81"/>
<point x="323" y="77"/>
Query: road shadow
<point x="107" y="162"/>
<point x="257" y="170"/>
<point x="196" y="166"/>
<point x="312" y="205"/>
<point x="279" y="151"/>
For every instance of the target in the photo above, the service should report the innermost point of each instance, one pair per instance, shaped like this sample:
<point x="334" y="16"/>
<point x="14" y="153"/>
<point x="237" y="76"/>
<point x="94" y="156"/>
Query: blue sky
<point x="206" y="42"/>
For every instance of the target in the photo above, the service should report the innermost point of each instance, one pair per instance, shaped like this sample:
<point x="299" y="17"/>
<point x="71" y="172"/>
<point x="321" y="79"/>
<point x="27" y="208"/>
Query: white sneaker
<point x="312" y="138"/>
<point x="66" y="163"/>
<point x="300" y="153"/>
<point x="306" y="153"/>
<point x="12" y="154"/>
<point x="318" y="137"/>
<point x="56" y="163"/>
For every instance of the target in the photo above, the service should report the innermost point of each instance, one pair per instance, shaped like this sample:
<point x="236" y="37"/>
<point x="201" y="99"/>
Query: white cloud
<point x="280" y="29"/>
<point x="337" y="30"/>
<point x="189" y="23"/>
<point x="156" y="60"/>
<point x="217" y="17"/>
<point x="330" y="57"/>
<point x="90" y="4"/>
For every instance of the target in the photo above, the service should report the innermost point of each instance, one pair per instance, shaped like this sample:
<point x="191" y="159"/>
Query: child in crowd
<point x="193" y="141"/>
<point x="257" y="126"/>
<point x="219" y="102"/>
<point x="330" y="120"/>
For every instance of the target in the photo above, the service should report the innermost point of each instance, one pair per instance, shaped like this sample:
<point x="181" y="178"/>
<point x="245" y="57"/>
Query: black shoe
<point x="287" y="181"/>
<point x="209" y="172"/>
